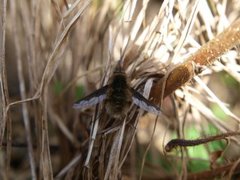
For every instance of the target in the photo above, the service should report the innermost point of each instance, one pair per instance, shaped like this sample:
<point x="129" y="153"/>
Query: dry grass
<point x="175" y="53"/>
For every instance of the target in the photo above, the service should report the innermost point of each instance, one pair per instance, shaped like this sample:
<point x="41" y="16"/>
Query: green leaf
<point x="79" y="91"/>
<point x="217" y="111"/>
<point x="58" y="87"/>
<point x="198" y="165"/>
<point x="229" y="80"/>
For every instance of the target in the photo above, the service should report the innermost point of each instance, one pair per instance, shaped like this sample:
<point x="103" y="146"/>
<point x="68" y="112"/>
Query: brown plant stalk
<point x="185" y="143"/>
<point x="5" y="120"/>
<point x="22" y="87"/>
<point x="205" y="56"/>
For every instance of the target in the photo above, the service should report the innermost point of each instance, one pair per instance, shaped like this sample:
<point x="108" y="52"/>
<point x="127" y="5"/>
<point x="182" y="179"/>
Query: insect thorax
<point x="119" y="81"/>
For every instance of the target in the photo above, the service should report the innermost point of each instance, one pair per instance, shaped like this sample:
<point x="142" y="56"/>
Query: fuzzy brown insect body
<point x="118" y="96"/>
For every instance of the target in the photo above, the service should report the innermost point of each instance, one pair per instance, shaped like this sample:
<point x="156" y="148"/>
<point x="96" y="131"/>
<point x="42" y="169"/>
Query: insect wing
<point x="96" y="97"/>
<point x="143" y="103"/>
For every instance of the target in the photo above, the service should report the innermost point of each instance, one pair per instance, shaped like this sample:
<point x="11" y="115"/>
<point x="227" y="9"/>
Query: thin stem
<point x="185" y="143"/>
<point x="23" y="93"/>
<point x="4" y="118"/>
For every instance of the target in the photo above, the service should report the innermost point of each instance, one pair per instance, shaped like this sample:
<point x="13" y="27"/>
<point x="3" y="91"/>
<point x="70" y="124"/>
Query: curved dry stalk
<point x="205" y="56"/>
<point x="185" y="143"/>
<point x="35" y="97"/>
<point x="52" y="63"/>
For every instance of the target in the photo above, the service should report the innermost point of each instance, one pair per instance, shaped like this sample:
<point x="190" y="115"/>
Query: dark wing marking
<point x="92" y="99"/>
<point x="143" y="103"/>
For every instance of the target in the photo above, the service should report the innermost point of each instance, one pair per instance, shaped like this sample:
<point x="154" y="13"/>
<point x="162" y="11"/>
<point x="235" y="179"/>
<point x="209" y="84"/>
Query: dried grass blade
<point x="45" y="156"/>
<point x="138" y="21"/>
<point x="130" y="138"/>
<point x="70" y="165"/>
<point x="111" y="157"/>
<point x="231" y="68"/>
<point x="148" y="147"/>
<point x="91" y="143"/>
<point x="113" y="163"/>
<point x="3" y="77"/>
<point x="55" y="117"/>
<point x="205" y="56"/>
<point x="186" y="32"/>
<point x="52" y="63"/>
<point x="23" y="92"/>
<point x="215" y="98"/>
<point x="4" y="119"/>
<point x="233" y="168"/>
<point x="128" y="10"/>
<point x="205" y="111"/>
<point x="116" y="168"/>
<point x="71" y="9"/>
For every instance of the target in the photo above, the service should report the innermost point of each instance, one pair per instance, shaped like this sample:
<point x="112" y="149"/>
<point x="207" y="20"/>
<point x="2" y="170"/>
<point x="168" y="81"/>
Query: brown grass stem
<point x="205" y="56"/>
<point x="22" y="88"/>
<point x="185" y="143"/>
<point x="4" y="119"/>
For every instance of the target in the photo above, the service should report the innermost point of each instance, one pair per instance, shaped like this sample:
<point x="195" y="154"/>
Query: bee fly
<point x="117" y="96"/>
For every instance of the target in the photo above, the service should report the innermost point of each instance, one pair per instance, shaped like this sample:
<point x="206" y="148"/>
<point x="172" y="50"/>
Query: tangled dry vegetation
<point x="182" y="55"/>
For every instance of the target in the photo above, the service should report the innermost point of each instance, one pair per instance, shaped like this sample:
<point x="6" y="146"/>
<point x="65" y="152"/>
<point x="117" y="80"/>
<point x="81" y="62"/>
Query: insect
<point x="118" y="96"/>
